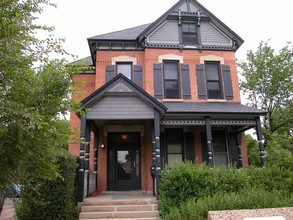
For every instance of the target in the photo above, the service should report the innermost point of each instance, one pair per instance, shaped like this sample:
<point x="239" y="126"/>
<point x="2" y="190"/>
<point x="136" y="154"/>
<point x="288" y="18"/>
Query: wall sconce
<point x="102" y="145"/>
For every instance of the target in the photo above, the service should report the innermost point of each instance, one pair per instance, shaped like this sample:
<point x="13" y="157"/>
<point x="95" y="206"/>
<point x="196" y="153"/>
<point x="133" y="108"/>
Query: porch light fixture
<point x="102" y="145"/>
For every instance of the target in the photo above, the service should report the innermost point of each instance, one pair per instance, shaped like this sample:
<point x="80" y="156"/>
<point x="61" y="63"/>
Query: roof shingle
<point x="126" y="34"/>
<point x="211" y="107"/>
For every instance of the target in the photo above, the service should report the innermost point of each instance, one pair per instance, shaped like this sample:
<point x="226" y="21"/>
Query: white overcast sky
<point x="252" y="20"/>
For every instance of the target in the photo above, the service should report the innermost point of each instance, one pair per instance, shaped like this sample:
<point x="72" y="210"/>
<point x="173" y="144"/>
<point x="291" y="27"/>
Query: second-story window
<point x="214" y="88"/>
<point x="171" y="80"/>
<point x="125" y="69"/>
<point x="189" y="35"/>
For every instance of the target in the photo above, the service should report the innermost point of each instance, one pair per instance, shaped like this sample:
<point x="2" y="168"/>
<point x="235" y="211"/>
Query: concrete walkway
<point x="8" y="210"/>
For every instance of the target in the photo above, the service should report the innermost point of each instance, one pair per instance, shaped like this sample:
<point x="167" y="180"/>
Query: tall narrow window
<point x="174" y="141"/>
<point x="171" y="77"/>
<point x="189" y="35"/>
<point x="125" y="69"/>
<point x="221" y="156"/>
<point x="213" y="80"/>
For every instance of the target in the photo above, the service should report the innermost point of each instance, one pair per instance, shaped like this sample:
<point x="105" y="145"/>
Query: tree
<point x="34" y="92"/>
<point x="268" y="84"/>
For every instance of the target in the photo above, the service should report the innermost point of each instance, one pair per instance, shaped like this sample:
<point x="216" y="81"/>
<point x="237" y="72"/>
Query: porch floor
<point x="122" y="195"/>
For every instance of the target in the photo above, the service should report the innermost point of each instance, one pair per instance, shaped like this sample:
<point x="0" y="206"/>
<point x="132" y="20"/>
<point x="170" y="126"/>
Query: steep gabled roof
<point x="163" y="33"/>
<point x="121" y="84"/>
<point x="204" y="13"/>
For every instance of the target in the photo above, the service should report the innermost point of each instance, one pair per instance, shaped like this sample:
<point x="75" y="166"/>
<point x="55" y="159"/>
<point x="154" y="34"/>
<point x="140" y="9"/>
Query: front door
<point x="123" y="161"/>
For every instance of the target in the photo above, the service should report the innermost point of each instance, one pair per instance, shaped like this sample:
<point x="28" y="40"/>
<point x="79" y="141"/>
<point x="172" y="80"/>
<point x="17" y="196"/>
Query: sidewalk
<point x="8" y="210"/>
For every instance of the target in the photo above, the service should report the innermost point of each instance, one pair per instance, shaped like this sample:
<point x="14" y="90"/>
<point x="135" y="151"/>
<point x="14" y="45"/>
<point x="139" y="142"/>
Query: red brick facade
<point x="147" y="59"/>
<point x="196" y="118"/>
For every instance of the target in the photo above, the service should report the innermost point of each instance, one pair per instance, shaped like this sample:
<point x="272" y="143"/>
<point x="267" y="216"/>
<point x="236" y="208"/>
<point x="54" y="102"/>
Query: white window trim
<point x="213" y="58"/>
<point x="129" y="59"/>
<point x="161" y="58"/>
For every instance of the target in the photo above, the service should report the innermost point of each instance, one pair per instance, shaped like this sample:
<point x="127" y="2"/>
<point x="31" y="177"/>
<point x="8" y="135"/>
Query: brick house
<point x="160" y="93"/>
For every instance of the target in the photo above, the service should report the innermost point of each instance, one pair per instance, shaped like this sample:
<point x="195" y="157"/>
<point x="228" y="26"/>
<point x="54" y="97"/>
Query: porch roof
<point x="212" y="108"/>
<point x="121" y="86"/>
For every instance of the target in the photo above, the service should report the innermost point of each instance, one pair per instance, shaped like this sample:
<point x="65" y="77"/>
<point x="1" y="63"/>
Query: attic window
<point x="189" y="35"/>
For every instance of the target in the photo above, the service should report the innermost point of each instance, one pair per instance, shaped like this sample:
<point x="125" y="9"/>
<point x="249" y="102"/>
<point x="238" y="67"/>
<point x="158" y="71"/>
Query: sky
<point x="253" y="20"/>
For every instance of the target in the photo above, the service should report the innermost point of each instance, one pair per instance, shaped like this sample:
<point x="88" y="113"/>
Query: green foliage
<point x="189" y="191"/>
<point x="279" y="151"/>
<point x="51" y="199"/>
<point x="253" y="151"/>
<point x="251" y="198"/>
<point x="269" y="84"/>
<point x="34" y="95"/>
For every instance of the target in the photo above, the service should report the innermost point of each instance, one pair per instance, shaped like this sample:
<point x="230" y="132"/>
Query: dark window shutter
<point x="189" y="146"/>
<point x="204" y="148"/>
<point x="162" y="146"/>
<point x="109" y="72"/>
<point x="185" y="81"/>
<point x="233" y="147"/>
<point x="227" y="81"/>
<point x="137" y="69"/>
<point x="158" y="81"/>
<point x="201" y="82"/>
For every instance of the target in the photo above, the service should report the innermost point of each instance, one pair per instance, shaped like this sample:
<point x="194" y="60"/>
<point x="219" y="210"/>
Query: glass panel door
<point x="123" y="168"/>
<point x="124" y="161"/>
<point x="127" y="169"/>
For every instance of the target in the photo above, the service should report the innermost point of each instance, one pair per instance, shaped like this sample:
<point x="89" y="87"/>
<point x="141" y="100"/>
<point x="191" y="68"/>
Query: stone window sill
<point x="216" y="100"/>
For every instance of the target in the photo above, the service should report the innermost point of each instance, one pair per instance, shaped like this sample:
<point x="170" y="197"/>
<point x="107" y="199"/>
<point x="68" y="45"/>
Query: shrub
<point x="184" y="181"/>
<point x="189" y="190"/>
<point x="51" y="199"/>
<point x="271" y="178"/>
<point x="251" y="198"/>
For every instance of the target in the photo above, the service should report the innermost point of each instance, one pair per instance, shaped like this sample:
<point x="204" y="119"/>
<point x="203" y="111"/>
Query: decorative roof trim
<point x="120" y="78"/>
<point x="231" y="34"/>
<point x="201" y="122"/>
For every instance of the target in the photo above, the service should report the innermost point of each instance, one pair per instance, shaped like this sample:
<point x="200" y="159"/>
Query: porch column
<point x="238" y="142"/>
<point x="260" y="141"/>
<point x="153" y="167"/>
<point x="96" y="142"/>
<point x="158" y="151"/>
<point x="81" y="160"/>
<point x="209" y="141"/>
<point x="87" y="157"/>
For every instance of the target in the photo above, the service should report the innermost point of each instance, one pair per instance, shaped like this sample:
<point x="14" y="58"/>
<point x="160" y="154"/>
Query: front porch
<point x="111" y="158"/>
